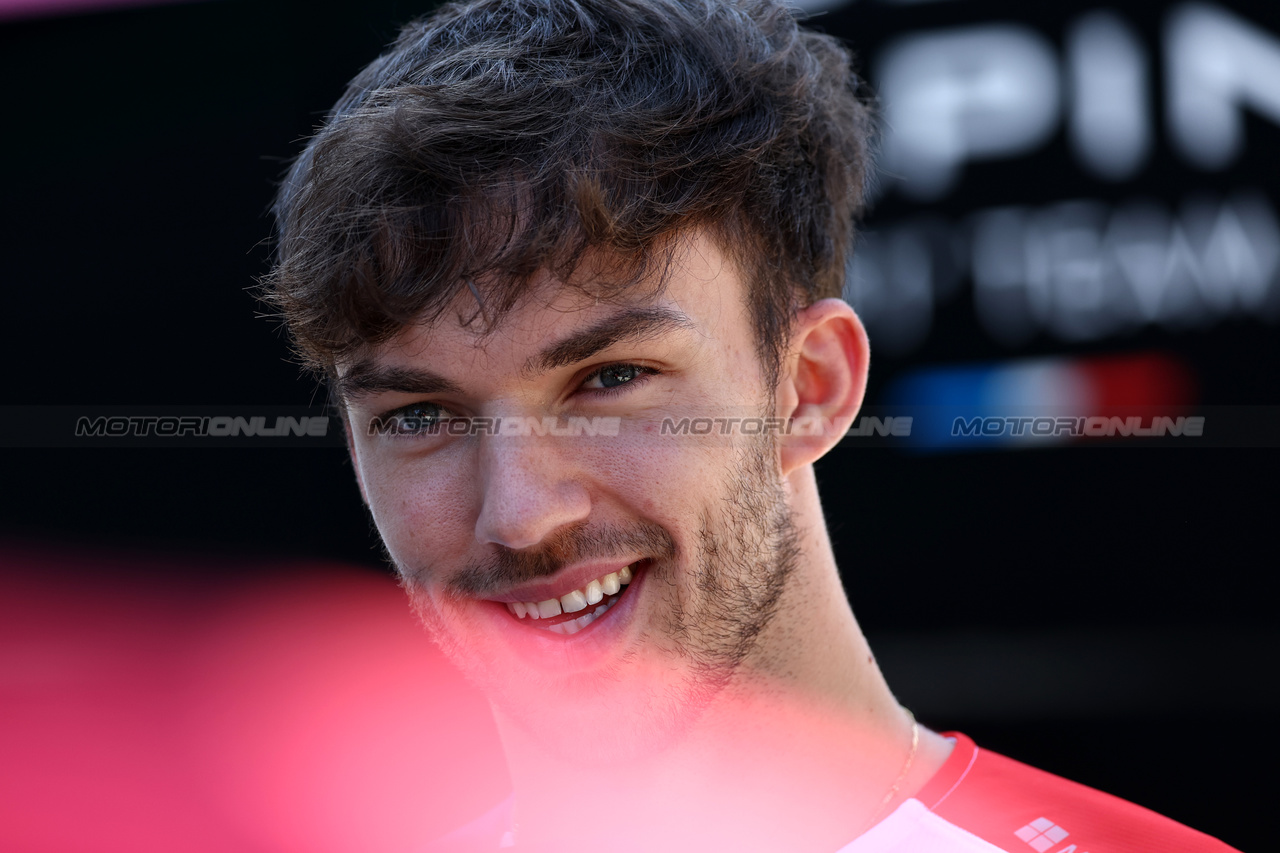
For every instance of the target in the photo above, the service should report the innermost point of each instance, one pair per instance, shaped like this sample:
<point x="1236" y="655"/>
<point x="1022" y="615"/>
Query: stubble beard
<point x="647" y="701"/>
<point x="747" y="554"/>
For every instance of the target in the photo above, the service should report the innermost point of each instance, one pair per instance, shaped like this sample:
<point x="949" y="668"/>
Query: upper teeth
<point x="571" y="602"/>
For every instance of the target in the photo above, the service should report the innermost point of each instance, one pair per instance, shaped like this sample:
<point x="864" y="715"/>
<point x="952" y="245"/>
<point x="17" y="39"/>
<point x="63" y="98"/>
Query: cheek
<point x="662" y="477"/>
<point x="423" y="512"/>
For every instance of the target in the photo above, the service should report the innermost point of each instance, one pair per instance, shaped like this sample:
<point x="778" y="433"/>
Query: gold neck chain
<point x="902" y="776"/>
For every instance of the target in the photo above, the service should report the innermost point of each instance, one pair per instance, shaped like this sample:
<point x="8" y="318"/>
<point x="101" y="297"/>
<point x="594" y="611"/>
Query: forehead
<point x="697" y="287"/>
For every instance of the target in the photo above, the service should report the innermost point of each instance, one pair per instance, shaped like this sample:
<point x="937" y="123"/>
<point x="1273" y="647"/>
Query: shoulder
<point x="1017" y="808"/>
<point x="486" y="834"/>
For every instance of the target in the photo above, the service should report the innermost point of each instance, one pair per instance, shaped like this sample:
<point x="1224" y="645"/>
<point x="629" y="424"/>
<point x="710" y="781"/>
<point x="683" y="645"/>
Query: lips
<point x="590" y="601"/>
<point x="577" y="641"/>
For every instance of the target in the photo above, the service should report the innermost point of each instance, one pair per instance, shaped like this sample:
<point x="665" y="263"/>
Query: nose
<point x="530" y="488"/>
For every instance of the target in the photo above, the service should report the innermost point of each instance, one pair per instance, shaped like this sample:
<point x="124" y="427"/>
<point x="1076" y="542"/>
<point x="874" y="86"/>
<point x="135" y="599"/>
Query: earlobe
<point x="823" y="380"/>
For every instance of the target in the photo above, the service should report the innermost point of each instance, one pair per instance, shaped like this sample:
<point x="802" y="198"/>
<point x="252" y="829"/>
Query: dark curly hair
<point x="500" y="138"/>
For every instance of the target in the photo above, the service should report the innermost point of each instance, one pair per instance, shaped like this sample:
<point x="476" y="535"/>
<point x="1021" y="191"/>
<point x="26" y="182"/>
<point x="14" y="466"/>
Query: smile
<point x="590" y="601"/>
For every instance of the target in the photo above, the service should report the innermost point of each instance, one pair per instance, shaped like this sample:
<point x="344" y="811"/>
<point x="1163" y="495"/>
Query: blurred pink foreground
<point x="151" y="704"/>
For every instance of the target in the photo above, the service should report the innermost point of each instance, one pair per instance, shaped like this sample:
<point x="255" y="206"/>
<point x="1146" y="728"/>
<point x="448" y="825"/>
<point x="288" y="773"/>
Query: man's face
<point x="516" y="547"/>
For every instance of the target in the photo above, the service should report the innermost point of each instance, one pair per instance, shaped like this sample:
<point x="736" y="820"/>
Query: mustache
<point x="506" y="568"/>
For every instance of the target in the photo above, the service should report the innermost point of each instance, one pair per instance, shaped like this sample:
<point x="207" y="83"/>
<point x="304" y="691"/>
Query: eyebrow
<point x="367" y="378"/>
<point x="633" y="324"/>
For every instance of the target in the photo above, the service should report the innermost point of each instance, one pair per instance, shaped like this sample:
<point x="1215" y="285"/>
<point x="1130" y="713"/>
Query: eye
<point x="614" y="376"/>
<point x="411" y="420"/>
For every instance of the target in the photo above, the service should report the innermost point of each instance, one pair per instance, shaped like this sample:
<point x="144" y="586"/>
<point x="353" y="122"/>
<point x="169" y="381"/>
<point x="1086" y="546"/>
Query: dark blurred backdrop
<point x="1075" y="198"/>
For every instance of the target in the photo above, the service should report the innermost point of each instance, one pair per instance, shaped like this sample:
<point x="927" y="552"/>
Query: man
<point x="531" y="242"/>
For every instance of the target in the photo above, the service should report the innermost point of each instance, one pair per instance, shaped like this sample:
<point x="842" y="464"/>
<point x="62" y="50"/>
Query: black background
<point x="140" y="149"/>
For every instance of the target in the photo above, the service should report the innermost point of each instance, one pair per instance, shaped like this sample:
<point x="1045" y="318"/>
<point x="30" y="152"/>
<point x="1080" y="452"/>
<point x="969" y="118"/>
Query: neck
<point x="796" y="752"/>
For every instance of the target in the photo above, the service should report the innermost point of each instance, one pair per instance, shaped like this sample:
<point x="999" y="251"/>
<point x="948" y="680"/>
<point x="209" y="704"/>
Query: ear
<point x="822" y="380"/>
<point x="351" y="451"/>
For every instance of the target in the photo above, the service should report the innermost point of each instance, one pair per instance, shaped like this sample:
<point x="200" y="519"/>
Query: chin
<point x="635" y="711"/>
